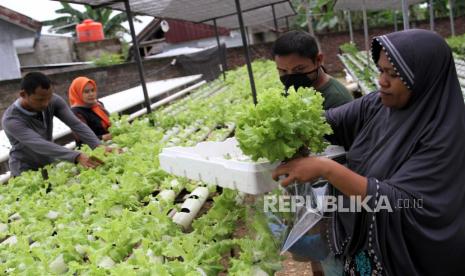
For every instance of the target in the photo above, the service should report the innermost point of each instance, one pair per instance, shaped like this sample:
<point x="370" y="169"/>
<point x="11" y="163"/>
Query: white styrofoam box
<point x="207" y="162"/>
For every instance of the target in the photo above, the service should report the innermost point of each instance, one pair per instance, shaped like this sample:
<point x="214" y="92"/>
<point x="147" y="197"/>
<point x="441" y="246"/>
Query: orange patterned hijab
<point x="76" y="99"/>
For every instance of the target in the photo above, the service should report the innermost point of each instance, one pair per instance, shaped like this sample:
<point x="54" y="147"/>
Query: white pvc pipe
<point x="166" y="100"/>
<point x="15" y="216"/>
<point x="3" y="227"/>
<point x="201" y="192"/>
<point x="10" y="241"/>
<point x="183" y="218"/>
<point x="5" y="177"/>
<point x="175" y="185"/>
<point x="106" y="262"/>
<point x="58" y="265"/>
<point x="191" y="207"/>
<point x="167" y="195"/>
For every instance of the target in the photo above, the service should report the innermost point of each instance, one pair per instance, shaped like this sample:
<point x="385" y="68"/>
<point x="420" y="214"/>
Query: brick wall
<point x="87" y="51"/>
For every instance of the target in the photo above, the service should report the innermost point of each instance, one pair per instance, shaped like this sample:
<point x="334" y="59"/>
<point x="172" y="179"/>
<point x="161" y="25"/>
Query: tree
<point x="319" y="13"/>
<point x="112" y="25"/>
<point x="326" y="19"/>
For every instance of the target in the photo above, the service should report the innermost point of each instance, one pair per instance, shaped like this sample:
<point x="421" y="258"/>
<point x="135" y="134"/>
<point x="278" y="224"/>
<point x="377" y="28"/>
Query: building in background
<point x="49" y="49"/>
<point x="181" y="37"/>
<point x="19" y="35"/>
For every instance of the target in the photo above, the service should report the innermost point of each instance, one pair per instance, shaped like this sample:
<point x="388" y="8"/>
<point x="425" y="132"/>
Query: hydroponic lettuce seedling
<point x="107" y="220"/>
<point x="277" y="127"/>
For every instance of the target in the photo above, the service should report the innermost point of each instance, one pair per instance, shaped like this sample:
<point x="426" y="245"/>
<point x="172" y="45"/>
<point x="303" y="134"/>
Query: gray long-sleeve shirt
<point x="31" y="137"/>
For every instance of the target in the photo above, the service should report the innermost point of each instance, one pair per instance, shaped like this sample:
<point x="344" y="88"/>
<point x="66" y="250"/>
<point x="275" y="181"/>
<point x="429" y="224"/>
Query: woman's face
<point x="393" y="92"/>
<point x="89" y="95"/>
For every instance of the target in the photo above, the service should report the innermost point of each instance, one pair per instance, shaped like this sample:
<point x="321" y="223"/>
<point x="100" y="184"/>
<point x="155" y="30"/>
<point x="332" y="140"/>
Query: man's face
<point x="37" y="101"/>
<point x="393" y="92"/>
<point x="296" y="64"/>
<point x="298" y="71"/>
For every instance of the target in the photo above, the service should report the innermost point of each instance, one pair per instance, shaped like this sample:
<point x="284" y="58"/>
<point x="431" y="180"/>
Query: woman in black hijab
<point x="405" y="149"/>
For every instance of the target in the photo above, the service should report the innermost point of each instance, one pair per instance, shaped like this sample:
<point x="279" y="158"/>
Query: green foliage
<point x="278" y="126"/>
<point x="109" y="216"/>
<point x="107" y="59"/>
<point x="125" y="48"/>
<point x="325" y="18"/>
<point x="349" y="48"/>
<point x="367" y="75"/>
<point x="323" y="15"/>
<point x="457" y="44"/>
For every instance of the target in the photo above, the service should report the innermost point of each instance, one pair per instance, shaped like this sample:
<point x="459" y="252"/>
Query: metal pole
<point x="451" y="15"/>
<point x="274" y="18"/>
<point x="287" y="22"/>
<point x="396" y="26"/>
<point x="247" y="35"/>
<point x="219" y="49"/>
<point x="135" y="46"/>
<point x="365" y="29"/>
<point x="405" y="14"/>
<point x="246" y="51"/>
<point x="351" y="31"/>
<point x="431" y="15"/>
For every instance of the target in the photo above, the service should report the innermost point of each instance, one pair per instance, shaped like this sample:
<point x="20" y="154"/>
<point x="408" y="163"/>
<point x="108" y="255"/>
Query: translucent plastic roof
<point x="269" y="25"/>
<point x="357" y="5"/>
<point x="254" y="12"/>
<point x="258" y="16"/>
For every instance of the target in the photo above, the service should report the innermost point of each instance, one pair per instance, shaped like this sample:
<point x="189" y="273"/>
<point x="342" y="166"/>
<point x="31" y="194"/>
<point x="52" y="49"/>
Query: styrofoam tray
<point x="207" y="162"/>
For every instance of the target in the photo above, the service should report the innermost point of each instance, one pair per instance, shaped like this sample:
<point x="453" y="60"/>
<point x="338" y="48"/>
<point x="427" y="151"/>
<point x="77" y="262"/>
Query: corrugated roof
<point x="258" y="16"/>
<point x="269" y="25"/>
<point x="20" y="19"/>
<point x="254" y="12"/>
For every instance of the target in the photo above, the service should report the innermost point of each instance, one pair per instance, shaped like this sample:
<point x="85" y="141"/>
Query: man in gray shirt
<point x="28" y="124"/>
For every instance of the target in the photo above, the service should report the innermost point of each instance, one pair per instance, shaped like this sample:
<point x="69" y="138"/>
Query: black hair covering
<point x="415" y="154"/>
<point x="296" y="42"/>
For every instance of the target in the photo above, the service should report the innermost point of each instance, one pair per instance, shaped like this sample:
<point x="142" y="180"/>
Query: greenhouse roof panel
<point x="254" y="12"/>
<point x="257" y="17"/>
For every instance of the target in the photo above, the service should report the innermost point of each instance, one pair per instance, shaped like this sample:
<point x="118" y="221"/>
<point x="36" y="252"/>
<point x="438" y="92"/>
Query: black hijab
<point x="415" y="154"/>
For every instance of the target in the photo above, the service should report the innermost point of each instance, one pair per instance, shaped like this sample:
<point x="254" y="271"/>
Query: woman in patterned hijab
<point x="405" y="150"/>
